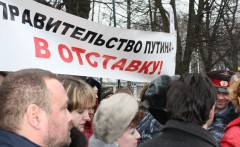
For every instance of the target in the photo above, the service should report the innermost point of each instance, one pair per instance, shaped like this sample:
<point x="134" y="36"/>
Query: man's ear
<point x="33" y="113"/>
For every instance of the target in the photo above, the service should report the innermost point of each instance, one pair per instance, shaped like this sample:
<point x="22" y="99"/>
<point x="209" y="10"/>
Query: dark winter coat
<point x="180" y="134"/>
<point x="10" y="139"/>
<point x="77" y="138"/>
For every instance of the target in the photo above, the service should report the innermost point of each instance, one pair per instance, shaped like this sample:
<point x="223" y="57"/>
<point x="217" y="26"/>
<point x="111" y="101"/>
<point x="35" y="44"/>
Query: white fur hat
<point x="113" y="116"/>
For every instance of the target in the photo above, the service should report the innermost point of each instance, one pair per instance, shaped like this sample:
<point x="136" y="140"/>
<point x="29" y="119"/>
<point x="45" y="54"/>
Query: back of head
<point x="19" y="90"/>
<point x="93" y="82"/>
<point x="124" y="90"/>
<point x="80" y="94"/>
<point x="142" y="92"/>
<point x="113" y="116"/>
<point x="191" y="98"/>
<point x="234" y="91"/>
<point x="144" y="105"/>
<point x="156" y="92"/>
<point x="106" y="92"/>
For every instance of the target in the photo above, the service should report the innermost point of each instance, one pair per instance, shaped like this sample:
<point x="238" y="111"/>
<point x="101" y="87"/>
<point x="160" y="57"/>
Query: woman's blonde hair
<point x="80" y="94"/>
<point x="234" y="91"/>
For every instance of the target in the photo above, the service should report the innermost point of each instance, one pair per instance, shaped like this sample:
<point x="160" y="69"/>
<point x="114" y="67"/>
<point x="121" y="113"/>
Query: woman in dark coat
<point x="155" y="116"/>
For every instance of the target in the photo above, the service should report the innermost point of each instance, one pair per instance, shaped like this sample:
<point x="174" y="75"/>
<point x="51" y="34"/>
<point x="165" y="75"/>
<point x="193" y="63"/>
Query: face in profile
<point x="59" y="119"/>
<point x="95" y="90"/>
<point x="91" y="112"/>
<point x="129" y="138"/>
<point x="79" y="118"/>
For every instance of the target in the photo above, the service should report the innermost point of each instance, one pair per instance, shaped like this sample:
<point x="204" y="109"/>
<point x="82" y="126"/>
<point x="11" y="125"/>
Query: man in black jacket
<point x="190" y="103"/>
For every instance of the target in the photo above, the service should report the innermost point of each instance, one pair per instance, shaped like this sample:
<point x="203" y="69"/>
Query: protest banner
<point x="36" y="36"/>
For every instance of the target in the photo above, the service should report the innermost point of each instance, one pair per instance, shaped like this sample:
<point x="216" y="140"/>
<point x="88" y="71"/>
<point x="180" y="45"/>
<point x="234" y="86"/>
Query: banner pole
<point x="114" y="20"/>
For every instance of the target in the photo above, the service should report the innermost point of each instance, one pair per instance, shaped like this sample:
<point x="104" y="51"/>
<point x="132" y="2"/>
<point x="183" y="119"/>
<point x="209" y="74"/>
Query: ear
<point x="33" y="112"/>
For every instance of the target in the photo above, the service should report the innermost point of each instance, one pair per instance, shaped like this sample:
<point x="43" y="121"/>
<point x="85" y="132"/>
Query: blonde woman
<point x="81" y="99"/>
<point x="232" y="135"/>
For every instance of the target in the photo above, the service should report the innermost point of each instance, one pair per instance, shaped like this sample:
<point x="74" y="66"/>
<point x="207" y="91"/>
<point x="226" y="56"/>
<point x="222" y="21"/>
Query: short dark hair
<point x="191" y="98"/>
<point x="20" y="89"/>
<point x="93" y="82"/>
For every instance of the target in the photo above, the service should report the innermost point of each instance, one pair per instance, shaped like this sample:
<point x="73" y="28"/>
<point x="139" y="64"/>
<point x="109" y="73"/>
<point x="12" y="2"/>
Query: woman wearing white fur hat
<point x="114" y="123"/>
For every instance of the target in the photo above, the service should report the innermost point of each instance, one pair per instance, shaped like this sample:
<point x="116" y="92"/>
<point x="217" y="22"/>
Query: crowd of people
<point x="42" y="109"/>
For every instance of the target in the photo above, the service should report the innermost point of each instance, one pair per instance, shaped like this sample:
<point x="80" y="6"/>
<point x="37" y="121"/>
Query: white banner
<point x="36" y="36"/>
